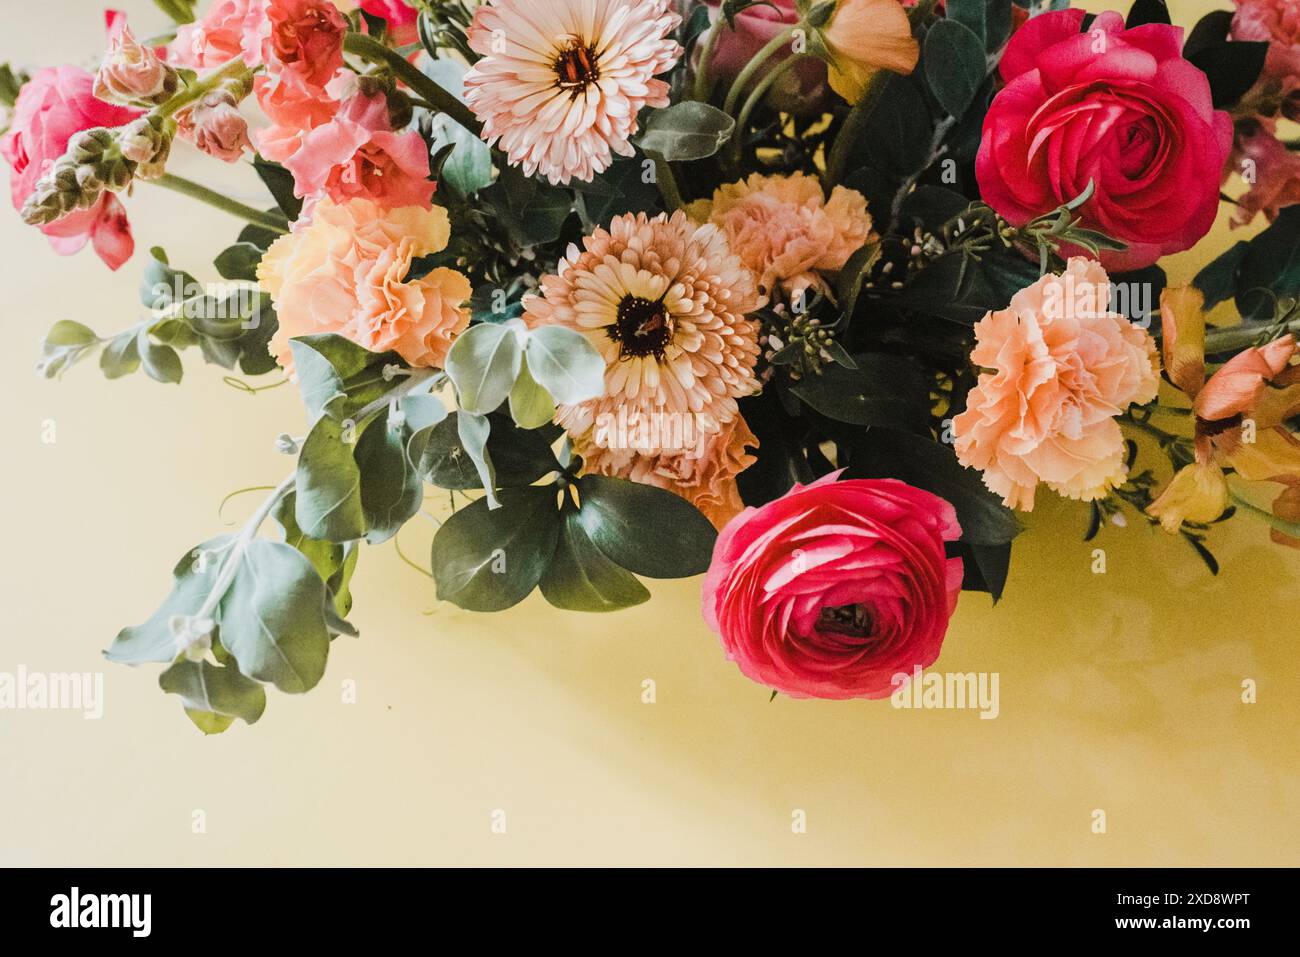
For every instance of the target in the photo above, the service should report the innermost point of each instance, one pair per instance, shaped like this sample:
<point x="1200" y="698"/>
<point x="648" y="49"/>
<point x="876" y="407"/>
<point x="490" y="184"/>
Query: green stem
<point x="666" y="180"/>
<point x="231" y="68"/>
<point x="1282" y="525"/>
<point x="855" y="124"/>
<point x="193" y="190"/>
<point x="1235" y="338"/>
<point x="751" y="103"/>
<point x="703" y="81"/>
<point x="230" y="563"/>
<point x="753" y="66"/>
<point x="369" y="48"/>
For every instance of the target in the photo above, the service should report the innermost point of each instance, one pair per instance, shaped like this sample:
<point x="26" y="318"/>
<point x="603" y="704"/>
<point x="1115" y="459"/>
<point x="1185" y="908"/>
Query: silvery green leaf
<point x="531" y="406"/>
<point x="565" y="364"/>
<point x="391" y="489"/>
<point x="214" y="695"/>
<point x="473" y="431"/>
<point x="328" y="487"/>
<point x="483" y="364"/>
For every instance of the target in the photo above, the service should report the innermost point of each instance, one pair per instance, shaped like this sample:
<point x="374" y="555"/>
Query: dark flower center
<point x="643" y="327"/>
<point x="576" y="66"/>
<point x="1141" y="143"/>
<point x="851" y="620"/>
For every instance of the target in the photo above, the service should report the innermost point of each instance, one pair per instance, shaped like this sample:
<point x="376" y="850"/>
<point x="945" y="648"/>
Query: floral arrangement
<point x="809" y="297"/>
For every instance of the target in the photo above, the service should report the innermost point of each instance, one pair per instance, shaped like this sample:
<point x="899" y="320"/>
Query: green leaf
<point x="1218" y="280"/>
<point x="955" y="65"/>
<point x="581" y="578"/>
<point x="391" y="489"/>
<point x="153" y="639"/>
<point x="490" y="559"/>
<point x="422" y="411"/>
<point x="469" y="167"/>
<point x="340" y="583"/>
<point x="213" y="695"/>
<point x="1147" y="11"/>
<point x="273" y="619"/>
<point x="647" y="530"/>
<point x="160" y="363"/>
<point x="1232" y="67"/>
<point x="325" y="557"/>
<point x="324" y="364"/>
<point x="65" y="332"/>
<point x="473" y="432"/>
<point x="565" y="364"/>
<point x="532" y="211"/>
<point x="531" y="406"/>
<point x="1270" y="269"/>
<point x="239" y="262"/>
<point x="121" y="356"/>
<point x="686" y="131"/>
<point x="328" y="485"/>
<point x="280" y="182"/>
<point x="883" y="390"/>
<point x="482" y="364"/>
<point x="519" y="456"/>
<point x="964" y="289"/>
<point x="970" y="14"/>
<point x="161" y="286"/>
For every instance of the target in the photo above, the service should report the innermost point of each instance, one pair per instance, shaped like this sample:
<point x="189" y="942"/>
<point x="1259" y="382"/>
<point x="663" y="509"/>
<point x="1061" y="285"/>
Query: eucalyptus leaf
<point x="565" y="364"/>
<point x="473" y="432"/>
<point x="160" y="363"/>
<point x="647" y="530"/>
<point x="328" y="485"/>
<point x="686" y="131"/>
<point x="490" y="559"/>
<point x="955" y="65"/>
<point x="482" y="364"/>
<point x="239" y="262"/>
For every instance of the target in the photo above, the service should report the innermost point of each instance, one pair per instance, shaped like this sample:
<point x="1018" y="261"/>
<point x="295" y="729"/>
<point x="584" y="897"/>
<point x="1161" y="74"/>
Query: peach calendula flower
<point x="1062" y="367"/>
<point x="665" y="302"/>
<point x="560" y="82"/>
<point x="864" y="37"/>
<point x="704" y="472"/>
<point x="785" y="231"/>
<point x="345" y="273"/>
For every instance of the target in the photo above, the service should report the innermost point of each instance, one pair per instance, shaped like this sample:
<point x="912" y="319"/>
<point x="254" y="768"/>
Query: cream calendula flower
<point x="560" y="82"/>
<point x="784" y="229"/>
<point x="665" y="302"/>
<point x="863" y="37"/>
<point x="345" y="273"/>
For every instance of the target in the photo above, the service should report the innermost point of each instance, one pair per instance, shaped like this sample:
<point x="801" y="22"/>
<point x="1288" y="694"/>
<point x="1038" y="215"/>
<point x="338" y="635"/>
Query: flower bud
<point x="214" y="125"/>
<point x="132" y="74"/>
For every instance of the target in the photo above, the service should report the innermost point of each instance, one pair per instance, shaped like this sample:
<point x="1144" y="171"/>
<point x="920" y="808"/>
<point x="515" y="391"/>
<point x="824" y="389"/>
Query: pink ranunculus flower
<point x="802" y="89"/>
<point x="357" y="154"/>
<point x="53" y="105"/>
<point x="1120" y="108"/>
<point x="834" y="588"/>
<point x="218" y="37"/>
<point x="1061" y="366"/>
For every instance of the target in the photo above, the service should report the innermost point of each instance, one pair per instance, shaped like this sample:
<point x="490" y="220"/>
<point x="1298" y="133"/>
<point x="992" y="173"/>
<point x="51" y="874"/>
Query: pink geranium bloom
<point x="53" y="105"/>
<point x="357" y="154"/>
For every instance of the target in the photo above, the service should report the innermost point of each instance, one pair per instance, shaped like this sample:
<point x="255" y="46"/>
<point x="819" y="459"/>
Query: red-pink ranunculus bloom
<point x="1119" y="107"/>
<point x="836" y="587"/>
<point x="357" y="154"/>
<point x="54" y="104"/>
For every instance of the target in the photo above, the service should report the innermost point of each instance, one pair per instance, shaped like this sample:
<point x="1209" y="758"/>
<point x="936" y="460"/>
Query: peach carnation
<point x="560" y="82"/>
<point x="1063" y="366"/>
<point x="345" y="273"/>
<point x="664" y="301"/>
<point x="785" y="231"/>
<point x="704" y="474"/>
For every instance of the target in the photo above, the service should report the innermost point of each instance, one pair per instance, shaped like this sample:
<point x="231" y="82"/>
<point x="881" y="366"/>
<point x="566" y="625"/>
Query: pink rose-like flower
<point x="1119" y="107"/>
<point x="298" y="40"/>
<point x="215" y="126"/>
<point x="54" y="104"/>
<point x="831" y="590"/>
<point x="357" y="154"/>
<point x="218" y="37"/>
<point x="1061" y="367"/>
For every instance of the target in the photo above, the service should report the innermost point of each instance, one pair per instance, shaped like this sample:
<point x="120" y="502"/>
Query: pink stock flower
<point x="1271" y="170"/>
<point x="835" y="588"/>
<point x="293" y="113"/>
<point x="215" y="126"/>
<point x="560" y="84"/>
<point x="130" y="72"/>
<point x="1061" y="367"/>
<point x="54" y="104"/>
<point x="299" y="40"/>
<point x="1276" y="22"/>
<point x="800" y="89"/>
<point x="1120" y="108"/>
<point x="218" y="37"/>
<point x="357" y="154"/>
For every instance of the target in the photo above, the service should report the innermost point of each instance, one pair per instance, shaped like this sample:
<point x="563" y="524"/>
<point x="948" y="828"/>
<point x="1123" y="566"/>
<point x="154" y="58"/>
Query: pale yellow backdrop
<point x="1119" y="692"/>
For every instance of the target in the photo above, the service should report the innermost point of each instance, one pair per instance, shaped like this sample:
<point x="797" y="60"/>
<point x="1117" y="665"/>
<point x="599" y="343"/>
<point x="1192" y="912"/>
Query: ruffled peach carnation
<point x="664" y="301"/>
<point x="1062" y="367"/>
<point x="561" y="82"/>
<point x="704" y="475"/>
<point x="785" y="231"/>
<point x="344" y="273"/>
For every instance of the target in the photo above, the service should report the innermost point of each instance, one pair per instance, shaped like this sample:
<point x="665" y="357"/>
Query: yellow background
<point x="1118" y="691"/>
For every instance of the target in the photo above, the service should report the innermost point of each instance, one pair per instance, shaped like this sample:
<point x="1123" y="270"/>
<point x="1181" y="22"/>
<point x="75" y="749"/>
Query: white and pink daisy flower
<point x="561" y="81"/>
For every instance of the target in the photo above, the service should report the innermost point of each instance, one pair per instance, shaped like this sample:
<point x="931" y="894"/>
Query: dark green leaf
<point x="239" y="262"/>
<point x="1233" y="66"/>
<point x="391" y="489"/>
<point x="519" y="456"/>
<point x="1218" y="281"/>
<point x="644" y="529"/>
<point x="581" y="578"/>
<point x="955" y="65"/>
<point x="686" y="131"/>
<point x="1147" y="11"/>
<point x="883" y="390"/>
<point x="280" y="182"/>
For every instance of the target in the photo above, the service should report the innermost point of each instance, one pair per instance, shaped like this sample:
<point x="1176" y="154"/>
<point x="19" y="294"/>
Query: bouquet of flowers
<point x="808" y="296"/>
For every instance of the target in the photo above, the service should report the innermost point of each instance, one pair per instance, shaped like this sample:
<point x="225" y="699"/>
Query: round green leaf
<point x="644" y="529"/>
<point x="483" y="364"/>
<point x="328" y="500"/>
<point x="531" y="406"/>
<point x="565" y="364"/>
